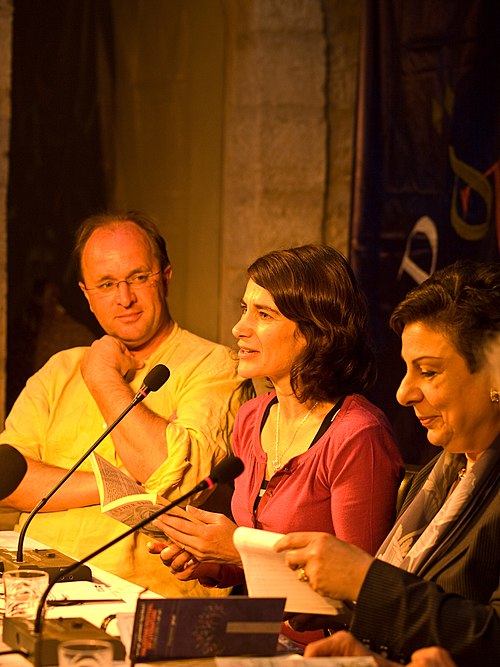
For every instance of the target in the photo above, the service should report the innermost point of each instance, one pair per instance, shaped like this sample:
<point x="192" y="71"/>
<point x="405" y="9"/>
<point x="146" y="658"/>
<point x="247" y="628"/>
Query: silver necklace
<point x="276" y="462"/>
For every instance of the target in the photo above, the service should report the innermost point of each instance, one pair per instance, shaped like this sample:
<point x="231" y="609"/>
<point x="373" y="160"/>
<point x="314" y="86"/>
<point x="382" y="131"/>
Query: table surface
<point x="94" y="612"/>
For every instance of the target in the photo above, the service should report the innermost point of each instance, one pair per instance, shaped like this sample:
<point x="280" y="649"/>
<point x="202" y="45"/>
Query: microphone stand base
<point x="41" y="648"/>
<point x="48" y="560"/>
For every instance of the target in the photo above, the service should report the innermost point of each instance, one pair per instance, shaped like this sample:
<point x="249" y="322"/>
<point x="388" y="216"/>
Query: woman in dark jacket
<point x="435" y="580"/>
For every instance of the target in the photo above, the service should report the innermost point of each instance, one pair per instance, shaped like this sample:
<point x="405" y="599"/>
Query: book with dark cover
<point x="205" y="627"/>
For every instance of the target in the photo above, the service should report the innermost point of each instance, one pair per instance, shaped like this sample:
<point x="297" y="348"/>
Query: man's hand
<point x="104" y="368"/>
<point x="345" y="644"/>
<point x="333" y="568"/>
<point x="107" y="357"/>
<point x="431" y="656"/>
<point x="340" y="643"/>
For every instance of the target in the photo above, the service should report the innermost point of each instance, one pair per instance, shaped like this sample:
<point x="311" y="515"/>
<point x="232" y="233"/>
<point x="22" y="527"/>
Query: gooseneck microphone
<point x="13" y="468"/>
<point x="156" y="378"/>
<point x="27" y="635"/>
<point x="225" y="471"/>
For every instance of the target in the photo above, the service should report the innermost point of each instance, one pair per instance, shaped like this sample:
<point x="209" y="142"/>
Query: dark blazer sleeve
<point x="398" y="612"/>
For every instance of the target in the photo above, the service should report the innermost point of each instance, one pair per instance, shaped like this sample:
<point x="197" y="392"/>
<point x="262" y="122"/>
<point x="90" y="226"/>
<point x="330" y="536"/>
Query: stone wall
<point x="233" y="125"/>
<point x="343" y="32"/>
<point x="275" y="132"/>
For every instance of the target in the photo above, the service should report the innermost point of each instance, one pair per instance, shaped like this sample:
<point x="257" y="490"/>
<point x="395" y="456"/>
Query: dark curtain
<point x="427" y="178"/>
<point x="56" y="175"/>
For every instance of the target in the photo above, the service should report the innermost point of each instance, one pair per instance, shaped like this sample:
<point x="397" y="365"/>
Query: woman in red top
<point x="317" y="454"/>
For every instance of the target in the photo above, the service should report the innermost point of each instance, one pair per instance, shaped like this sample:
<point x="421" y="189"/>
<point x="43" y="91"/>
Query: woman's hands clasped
<point x="182" y="564"/>
<point x="198" y="547"/>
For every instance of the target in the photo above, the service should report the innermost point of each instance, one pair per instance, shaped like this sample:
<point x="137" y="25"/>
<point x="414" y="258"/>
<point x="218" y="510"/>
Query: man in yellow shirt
<point x="168" y="443"/>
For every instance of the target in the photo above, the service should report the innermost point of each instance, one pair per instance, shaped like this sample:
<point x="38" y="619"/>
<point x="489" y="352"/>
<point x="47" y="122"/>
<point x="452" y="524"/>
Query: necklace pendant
<point x="276" y="464"/>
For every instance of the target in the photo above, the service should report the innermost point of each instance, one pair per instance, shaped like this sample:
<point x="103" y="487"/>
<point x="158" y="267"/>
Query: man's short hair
<point x="107" y="219"/>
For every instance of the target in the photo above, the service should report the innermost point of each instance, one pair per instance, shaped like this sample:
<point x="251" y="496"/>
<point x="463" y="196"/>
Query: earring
<point x="494" y="396"/>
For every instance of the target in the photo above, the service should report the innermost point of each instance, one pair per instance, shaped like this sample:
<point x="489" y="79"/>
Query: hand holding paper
<point x="267" y="573"/>
<point x="333" y="567"/>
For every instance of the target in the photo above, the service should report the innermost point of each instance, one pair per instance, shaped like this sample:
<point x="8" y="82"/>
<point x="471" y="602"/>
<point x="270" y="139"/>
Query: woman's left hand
<point x="182" y="564"/>
<point x="172" y="555"/>
<point x="209" y="537"/>
<point x="333" y="568"/>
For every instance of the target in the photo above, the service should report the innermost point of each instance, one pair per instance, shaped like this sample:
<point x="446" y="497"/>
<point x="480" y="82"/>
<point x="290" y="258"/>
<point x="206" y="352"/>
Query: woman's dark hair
<point x="108" y="218"/>
<point x="314" y="286"/>
<point x="463" y="302"/>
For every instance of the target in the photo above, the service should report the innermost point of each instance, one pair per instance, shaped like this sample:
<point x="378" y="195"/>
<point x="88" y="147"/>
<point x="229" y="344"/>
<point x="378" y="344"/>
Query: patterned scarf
<point x="433" y="511"/>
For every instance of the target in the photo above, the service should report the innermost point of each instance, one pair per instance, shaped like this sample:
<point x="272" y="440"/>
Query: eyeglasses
<point x="136" y="281"/>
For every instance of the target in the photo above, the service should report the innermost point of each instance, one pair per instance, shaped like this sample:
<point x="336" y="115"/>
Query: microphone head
<point x="156" y="377"/>
<point x="13" y="467"/>
<point x="227" y="470"/>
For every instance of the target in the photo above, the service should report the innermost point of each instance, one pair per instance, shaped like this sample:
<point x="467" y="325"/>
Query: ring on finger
<point x="302" y="575"/>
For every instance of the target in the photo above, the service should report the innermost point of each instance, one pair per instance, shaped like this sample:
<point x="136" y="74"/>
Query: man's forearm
<point x="140" y="438"/>
<point x="141" y="443"/>
<point x="80" y="490"/>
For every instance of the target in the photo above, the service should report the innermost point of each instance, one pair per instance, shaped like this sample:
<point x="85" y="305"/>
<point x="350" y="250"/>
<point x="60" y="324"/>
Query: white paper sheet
<point x="268" y="575"/>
